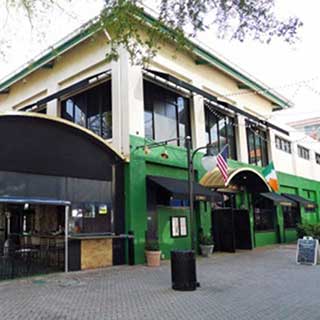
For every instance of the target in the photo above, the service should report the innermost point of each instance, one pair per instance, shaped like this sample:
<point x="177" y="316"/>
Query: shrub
<point x="308" y="230"/>
<point x="206" y="240"/>
<point x="152" y="245"/>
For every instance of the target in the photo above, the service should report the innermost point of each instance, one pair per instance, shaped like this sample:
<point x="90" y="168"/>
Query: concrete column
<point x="198" y="125"/>
<point x="241" y="140"/>
<point x="294" y="150"/>
<point x="271" y="146"/>
<point x="53" y="105"/>
<point x="127" y="102"/>
<point x="116" y="105"/>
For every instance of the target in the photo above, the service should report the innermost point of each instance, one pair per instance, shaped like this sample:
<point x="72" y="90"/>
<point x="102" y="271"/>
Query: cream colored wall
<point x="292" y="163"/>
<point x="211" y="79"/>
<point x="78" y="63"/>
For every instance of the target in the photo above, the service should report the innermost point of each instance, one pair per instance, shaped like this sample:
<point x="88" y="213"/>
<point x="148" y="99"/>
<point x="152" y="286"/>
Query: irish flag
<point x="270" y="174"/>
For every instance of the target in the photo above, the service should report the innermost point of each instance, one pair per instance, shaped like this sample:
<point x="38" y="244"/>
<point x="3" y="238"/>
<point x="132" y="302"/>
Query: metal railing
<point x="23" y="259"/>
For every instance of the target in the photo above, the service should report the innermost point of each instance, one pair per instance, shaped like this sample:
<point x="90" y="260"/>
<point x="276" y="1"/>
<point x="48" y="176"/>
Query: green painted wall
<point x="175" y="166"/>
<point x="168" y="243"/>
<point x="290" y="235"/>
<point x="265" y="238"/>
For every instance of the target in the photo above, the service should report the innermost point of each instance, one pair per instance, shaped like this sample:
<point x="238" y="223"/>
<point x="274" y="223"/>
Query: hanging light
<point x="164" y="154"/>
<point x="146" y="150"/>
<point x="209" y="160"/>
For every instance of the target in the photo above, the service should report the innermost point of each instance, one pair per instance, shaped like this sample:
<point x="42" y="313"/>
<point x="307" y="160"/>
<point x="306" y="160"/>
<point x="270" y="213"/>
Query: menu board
<point x="307" y="251"/>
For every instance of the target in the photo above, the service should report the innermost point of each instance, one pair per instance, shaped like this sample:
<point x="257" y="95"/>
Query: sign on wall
<point x="307" y="251"/>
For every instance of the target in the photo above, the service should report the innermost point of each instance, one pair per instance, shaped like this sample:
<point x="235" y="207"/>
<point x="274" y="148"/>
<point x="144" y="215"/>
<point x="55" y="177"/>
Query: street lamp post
<point x="209" y="164"/>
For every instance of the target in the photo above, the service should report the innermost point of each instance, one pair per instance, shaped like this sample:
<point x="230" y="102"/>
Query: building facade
<point x="195" y="94"/>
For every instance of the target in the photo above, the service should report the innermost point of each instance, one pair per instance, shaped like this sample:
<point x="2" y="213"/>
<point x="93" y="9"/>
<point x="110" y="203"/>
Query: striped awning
<point x="236" y="177"/>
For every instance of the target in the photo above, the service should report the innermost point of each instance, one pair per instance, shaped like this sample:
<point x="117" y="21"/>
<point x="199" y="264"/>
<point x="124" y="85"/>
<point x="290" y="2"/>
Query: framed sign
<point x="307" y="251"/>
<point x="179" y="227"/>
<point x="183" y="227"/>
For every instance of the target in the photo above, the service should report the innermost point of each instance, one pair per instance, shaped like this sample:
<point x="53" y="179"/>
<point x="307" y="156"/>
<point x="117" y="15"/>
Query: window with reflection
<point x="166" y="113"/>
<point x="220" y="131"/>
<point x="257" y="145"/>
<point x="291" y="217"/>
<point x="91" y="109"/>
<point x="264" y="214"/>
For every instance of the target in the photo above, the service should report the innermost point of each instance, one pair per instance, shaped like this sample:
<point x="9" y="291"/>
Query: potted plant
<point x="152" y="253"/>
<point x="206" y="245"/>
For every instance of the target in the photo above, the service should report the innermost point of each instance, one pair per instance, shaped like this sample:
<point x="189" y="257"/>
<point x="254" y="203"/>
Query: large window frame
<point x="97" y="100"/>
<point x="283" y="144"/>
<point x="175" y="105"/>
<point x="257" y="137"/>
<point x="264" y="215"/>
<point x="216" y="124"/>
<point x="291" y="217"/>
<point x="303" y="153"/>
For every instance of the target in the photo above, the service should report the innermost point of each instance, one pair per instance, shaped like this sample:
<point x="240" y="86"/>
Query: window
<point x="283" y="144"/>
<point x="317" y="158"/>
<point x="257" y="145"/>
<point x="91" y="109"/>
<point x="290" y="217"/>
<point x="179" y="227"/>
<point x="303" y="153"/>
<point x="166" y="114"/>
<point x="220" y="131"/>
<point x="263" y="214"/>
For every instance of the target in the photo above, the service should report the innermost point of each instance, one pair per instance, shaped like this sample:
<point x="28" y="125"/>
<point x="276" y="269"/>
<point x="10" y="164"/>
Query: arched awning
<point x="40" y="144"/>
<point x="247" y="177"/>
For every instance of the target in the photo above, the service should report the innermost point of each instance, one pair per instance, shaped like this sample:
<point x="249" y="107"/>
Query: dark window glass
<point x="91" y="109"/>
<point x="317" y="158"/>
<point x="148" y="121"/>
<point x="220" y="131"/>
<point x="166" y="114"/>
<point x="257" y="145"/>
<point x="264" y="214"/>
<point x="303" y="153"/>
<point x="290" y="217"/>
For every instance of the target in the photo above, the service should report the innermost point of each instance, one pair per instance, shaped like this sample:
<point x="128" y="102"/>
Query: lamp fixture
<point x="209" y="160"/>
<point x="146" y="150"/>
<point x="164" y="154"/>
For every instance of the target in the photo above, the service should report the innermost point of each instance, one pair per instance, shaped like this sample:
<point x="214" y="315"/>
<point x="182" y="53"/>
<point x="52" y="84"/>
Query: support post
<point x="190" y="189"/>
<point x="66" y="235"/>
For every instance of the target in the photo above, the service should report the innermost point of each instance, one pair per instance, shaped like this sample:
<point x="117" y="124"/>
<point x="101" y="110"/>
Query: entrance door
<point x="242" y="229"/>
<point x="231" y="229"/>
<point x="223" y="229"/>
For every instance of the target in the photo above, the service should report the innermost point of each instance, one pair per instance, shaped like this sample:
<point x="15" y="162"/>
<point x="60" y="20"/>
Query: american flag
<point x="222" y="163"/>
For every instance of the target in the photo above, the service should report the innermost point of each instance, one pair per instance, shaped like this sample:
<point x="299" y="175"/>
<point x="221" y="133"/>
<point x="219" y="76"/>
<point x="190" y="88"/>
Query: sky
<point x="292" y="70"/>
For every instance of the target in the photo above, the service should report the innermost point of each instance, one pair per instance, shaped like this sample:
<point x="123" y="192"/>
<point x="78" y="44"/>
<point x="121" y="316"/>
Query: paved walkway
<point x="260" y="284"/>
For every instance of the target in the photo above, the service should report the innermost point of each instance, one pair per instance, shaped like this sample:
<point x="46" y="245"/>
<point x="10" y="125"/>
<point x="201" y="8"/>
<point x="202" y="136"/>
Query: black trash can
<point x="183" y="270"/>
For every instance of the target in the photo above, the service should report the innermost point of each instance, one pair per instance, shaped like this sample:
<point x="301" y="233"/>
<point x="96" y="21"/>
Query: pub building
<point x="61" y="197"/>
<point x="79" y="188"/>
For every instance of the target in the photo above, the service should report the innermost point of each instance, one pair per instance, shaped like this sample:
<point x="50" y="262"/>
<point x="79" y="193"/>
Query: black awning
<point x="43" y="201"/>
<point x="179" y="188"/>
<point x="278" y="199"/>
<point x="307" y="204"/>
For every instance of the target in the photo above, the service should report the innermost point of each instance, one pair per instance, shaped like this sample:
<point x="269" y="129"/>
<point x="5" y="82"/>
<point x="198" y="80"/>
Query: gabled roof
<point x="204" y="54"/>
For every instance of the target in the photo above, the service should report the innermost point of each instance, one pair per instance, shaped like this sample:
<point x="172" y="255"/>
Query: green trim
<point x="45" y="60"/>
<point x="209" y="57"/>
<point x="204" y="55"/>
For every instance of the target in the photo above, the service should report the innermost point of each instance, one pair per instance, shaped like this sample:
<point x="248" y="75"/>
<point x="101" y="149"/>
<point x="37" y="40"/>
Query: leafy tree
<point x="123" y="20"/>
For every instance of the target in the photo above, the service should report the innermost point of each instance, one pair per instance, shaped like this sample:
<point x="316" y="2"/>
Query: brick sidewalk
<point x="260" y="284"/>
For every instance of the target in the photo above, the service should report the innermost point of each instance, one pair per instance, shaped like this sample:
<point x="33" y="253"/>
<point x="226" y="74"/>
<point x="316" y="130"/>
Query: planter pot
<point x="206" y="250"/>
<point x="153" y="258"/>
